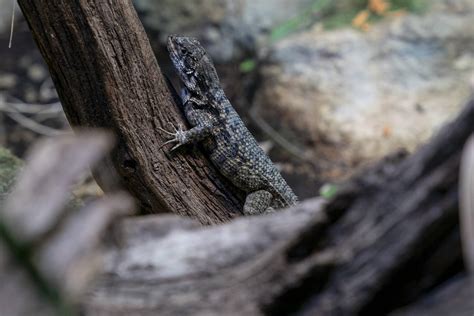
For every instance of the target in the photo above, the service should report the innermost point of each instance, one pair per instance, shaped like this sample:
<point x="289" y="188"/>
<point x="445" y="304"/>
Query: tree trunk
<point x="106" y="76"/>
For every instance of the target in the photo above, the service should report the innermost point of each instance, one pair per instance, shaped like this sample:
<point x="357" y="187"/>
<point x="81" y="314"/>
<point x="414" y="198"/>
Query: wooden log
<point x="173" y="267"/>
<point x="50" y="247"/>
<point x="387" y="238"/>
<point x="106" y="76"/>
<point x="453" y="298"/>
<point x="46" y="182"/>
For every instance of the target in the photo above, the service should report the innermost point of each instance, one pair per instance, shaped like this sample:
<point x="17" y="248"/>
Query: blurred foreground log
<point x="387" y="238"/>
<point x="106" y="76"/>
<point x="454" y="298"/>
<point x="50" y="251"/>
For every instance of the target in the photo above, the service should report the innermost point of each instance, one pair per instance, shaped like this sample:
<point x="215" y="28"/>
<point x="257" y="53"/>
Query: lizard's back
<point x="237" y="155"/>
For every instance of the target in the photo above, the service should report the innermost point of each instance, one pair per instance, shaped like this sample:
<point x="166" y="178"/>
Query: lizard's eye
<point x="183" y="51"/>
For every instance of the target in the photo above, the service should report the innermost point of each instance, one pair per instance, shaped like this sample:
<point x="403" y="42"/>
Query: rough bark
<point x="106" y="76"/>
<point x="387" y="238"/>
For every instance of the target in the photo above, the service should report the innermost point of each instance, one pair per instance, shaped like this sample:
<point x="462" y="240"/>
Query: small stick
<point x="11" y="26"/>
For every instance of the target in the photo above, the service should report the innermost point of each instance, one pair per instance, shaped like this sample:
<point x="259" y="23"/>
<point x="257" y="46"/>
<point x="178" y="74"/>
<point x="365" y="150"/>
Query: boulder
<point x="347" y="97"/>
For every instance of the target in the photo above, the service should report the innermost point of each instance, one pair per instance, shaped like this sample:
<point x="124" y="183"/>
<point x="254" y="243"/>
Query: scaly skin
<point x="226" y="140"/>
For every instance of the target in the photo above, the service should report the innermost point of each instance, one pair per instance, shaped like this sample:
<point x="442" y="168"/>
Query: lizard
<point x="224" y="137"/>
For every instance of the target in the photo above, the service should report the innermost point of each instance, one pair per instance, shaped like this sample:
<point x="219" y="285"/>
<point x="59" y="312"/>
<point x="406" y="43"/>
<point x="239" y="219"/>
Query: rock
<point x="37" y="73"/>
<point x="350" y="97"/>
<point x="7" y="81"/>
<point x="227" y="28"/>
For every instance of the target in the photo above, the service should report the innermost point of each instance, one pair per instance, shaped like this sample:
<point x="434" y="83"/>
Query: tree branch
<point x="106" y="76"/>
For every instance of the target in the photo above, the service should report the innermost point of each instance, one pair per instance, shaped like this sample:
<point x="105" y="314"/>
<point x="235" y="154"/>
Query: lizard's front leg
<point x="182" y="137"/>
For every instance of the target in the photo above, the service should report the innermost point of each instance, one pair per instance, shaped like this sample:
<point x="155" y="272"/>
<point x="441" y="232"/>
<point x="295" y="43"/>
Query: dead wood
<point x="173" y="267"/>
<point x="45" y="183"/>
<point x="106" y="76"/>
<point x="388" y="237"/>
<point x="466" y="203"/>
<point x="50" y="252"/>
<point x="453" y="298"/>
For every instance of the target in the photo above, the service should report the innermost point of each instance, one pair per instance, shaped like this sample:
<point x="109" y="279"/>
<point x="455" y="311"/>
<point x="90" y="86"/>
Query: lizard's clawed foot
<point x="258" y="202"/>
<point x="179" y="136"/>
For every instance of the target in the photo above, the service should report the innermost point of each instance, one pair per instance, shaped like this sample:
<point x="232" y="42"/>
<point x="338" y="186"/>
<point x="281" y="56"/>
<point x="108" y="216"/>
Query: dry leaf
<point x="379" y="7"/>
<point x="387" y="131"/>
<point x="360" y="20"/>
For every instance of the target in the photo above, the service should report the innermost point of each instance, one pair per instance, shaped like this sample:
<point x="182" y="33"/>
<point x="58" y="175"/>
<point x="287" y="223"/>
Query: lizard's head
<point x="194" y="66"/>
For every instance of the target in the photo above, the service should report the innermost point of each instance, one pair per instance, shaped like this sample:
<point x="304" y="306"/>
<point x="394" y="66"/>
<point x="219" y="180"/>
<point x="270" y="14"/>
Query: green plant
<point x="247" y="65"/>
<point x="336" y="14"/>
<point x="328" y="190"/>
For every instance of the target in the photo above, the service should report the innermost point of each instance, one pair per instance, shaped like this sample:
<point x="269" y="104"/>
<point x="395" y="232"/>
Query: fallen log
<point x="453" y="298"/>
<point x="50" y="244"/>
<point x="387" y="238"/>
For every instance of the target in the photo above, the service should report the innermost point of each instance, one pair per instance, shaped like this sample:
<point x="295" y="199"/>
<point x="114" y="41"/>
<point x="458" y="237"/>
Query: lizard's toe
<point x="179" y="136"/>
<point x="165" y="131"/>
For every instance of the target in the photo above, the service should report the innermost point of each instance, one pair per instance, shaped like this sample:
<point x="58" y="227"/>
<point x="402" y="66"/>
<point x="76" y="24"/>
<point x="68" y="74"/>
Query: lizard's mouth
<point x="170" y="45"/>
<point x="175" y="59"/>
<point x="174" y="52"/>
